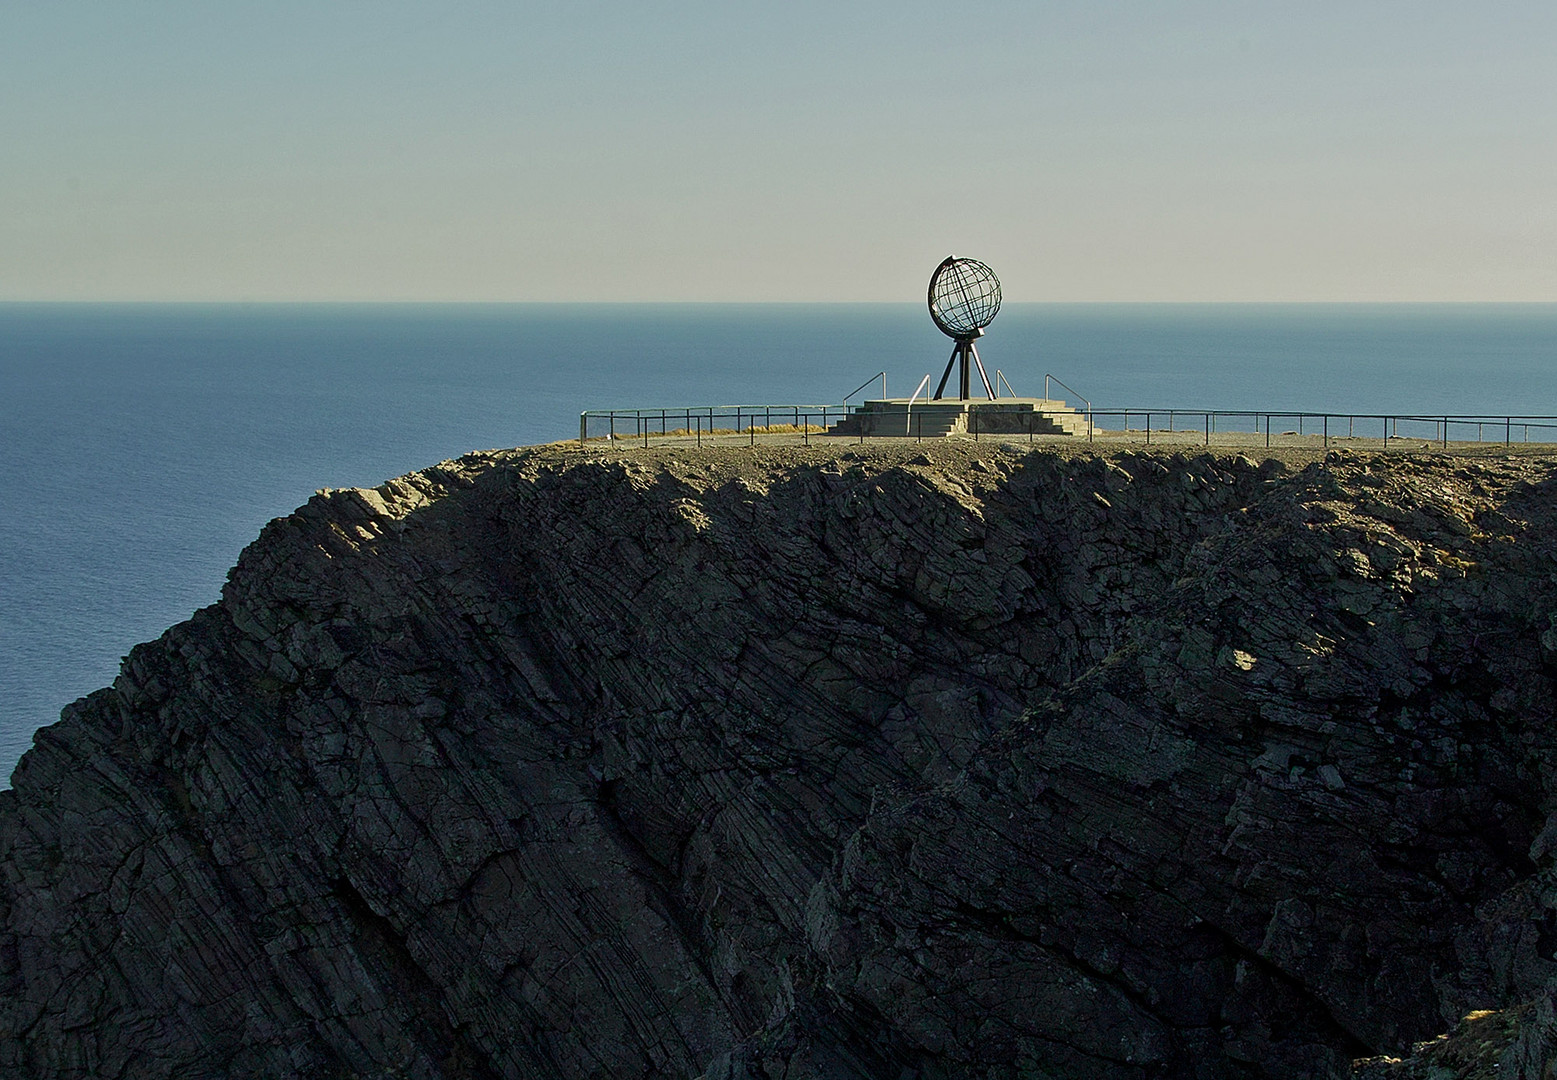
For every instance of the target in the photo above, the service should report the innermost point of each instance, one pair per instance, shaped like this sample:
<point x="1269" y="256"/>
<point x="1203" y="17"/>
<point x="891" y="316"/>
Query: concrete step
<point x="938" y="419"/>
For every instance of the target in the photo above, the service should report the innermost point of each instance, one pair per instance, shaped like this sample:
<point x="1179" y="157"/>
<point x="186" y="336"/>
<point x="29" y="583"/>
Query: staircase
<point x="892" y="417"/>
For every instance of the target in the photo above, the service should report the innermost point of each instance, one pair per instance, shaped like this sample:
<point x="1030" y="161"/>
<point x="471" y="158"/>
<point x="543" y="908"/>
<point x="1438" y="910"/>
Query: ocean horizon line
<point x="1008" y="303"/>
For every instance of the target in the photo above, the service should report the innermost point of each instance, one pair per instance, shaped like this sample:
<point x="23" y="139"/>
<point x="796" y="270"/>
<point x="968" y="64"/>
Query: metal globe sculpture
<point x="964" y="298"/>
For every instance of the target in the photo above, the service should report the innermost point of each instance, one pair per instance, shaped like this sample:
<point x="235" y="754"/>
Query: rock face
<point x="970" y="762"/>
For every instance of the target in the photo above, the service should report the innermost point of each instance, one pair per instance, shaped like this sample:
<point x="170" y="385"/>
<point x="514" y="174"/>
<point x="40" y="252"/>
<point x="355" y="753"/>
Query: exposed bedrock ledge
<point x="868" y="763"/>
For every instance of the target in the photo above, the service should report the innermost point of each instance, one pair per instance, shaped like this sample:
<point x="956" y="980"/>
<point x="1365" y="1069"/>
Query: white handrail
<point x="882" y="375"/>
<point x="908" y="413"/>
<point x="1046" y="379"/>
<point x="1000" y="377"/>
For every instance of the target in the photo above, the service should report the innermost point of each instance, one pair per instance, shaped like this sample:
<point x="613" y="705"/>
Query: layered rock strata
<point x="835" y="763"/>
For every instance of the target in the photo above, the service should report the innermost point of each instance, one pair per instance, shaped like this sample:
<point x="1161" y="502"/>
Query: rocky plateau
<point x="888" y="762"/>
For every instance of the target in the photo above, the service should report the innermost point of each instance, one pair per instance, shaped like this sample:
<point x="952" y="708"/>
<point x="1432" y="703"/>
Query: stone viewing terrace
<point x="902" y="417"/>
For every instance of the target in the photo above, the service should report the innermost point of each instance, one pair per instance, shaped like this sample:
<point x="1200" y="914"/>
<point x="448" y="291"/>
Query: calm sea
<point x="144" y="446"/>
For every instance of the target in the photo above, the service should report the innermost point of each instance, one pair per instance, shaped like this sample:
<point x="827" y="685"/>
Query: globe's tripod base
<point x="962" y="351"/>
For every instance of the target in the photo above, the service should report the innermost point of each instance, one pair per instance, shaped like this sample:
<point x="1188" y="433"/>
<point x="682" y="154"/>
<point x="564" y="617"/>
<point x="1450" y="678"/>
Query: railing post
<point x="1267" y="431"/>
<point x="644" y="420"/>
<point x="1148" y="428"/>
<point x="1208" y="429"/>
<point x="583" y="428"/>
<point x="613" y="427"/>
<point x="1508" y="429"/>
<point x="1327" y="430"/>
<point x="1446" y="433"/>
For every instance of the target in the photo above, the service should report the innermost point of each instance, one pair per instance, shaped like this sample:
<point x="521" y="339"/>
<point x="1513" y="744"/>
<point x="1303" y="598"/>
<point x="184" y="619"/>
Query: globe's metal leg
<point x="939" y="390"/>
<point x="988" y="389"/>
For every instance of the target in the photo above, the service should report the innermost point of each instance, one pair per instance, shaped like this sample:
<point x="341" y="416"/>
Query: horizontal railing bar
<point x="1434" y="417"/>
<point x="681" y="410"/>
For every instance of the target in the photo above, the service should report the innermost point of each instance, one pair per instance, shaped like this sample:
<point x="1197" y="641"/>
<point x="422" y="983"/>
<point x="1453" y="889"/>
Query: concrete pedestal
<point x="896" y="417"/>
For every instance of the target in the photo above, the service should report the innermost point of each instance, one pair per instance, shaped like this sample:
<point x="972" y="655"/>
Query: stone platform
<point x="895" y="417"/>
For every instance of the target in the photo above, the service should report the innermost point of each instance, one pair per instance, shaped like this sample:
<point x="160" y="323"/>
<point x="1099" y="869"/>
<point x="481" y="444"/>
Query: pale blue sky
<point x="804" y="151"/>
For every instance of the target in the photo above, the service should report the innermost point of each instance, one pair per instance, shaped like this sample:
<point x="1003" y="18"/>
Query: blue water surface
<point x="144" y="445"/>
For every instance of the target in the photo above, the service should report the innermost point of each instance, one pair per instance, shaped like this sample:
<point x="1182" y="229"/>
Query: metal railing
<point x="882" y="375"/>
<point x="1325" y="428"/>
<point x="1000" y="377"/>
<point x="908" y="418"/>
<point x="1047" y="379"/>
<point x="1230" y="427"/>
<point x="697" y="422"/>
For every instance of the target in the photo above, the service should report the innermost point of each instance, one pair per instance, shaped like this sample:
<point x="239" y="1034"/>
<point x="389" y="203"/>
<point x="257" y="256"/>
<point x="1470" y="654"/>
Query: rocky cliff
<point x="879" y="763"/>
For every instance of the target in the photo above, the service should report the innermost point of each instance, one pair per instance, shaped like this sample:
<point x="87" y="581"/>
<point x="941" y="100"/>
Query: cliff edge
<point x="877" y="762"/>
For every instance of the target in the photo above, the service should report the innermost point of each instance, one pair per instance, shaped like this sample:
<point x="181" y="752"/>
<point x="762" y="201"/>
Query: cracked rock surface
<point x="865" y="762"/>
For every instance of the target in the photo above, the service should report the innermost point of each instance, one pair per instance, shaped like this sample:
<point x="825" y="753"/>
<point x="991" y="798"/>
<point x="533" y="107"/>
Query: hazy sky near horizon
<point x="805" y="151"/>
